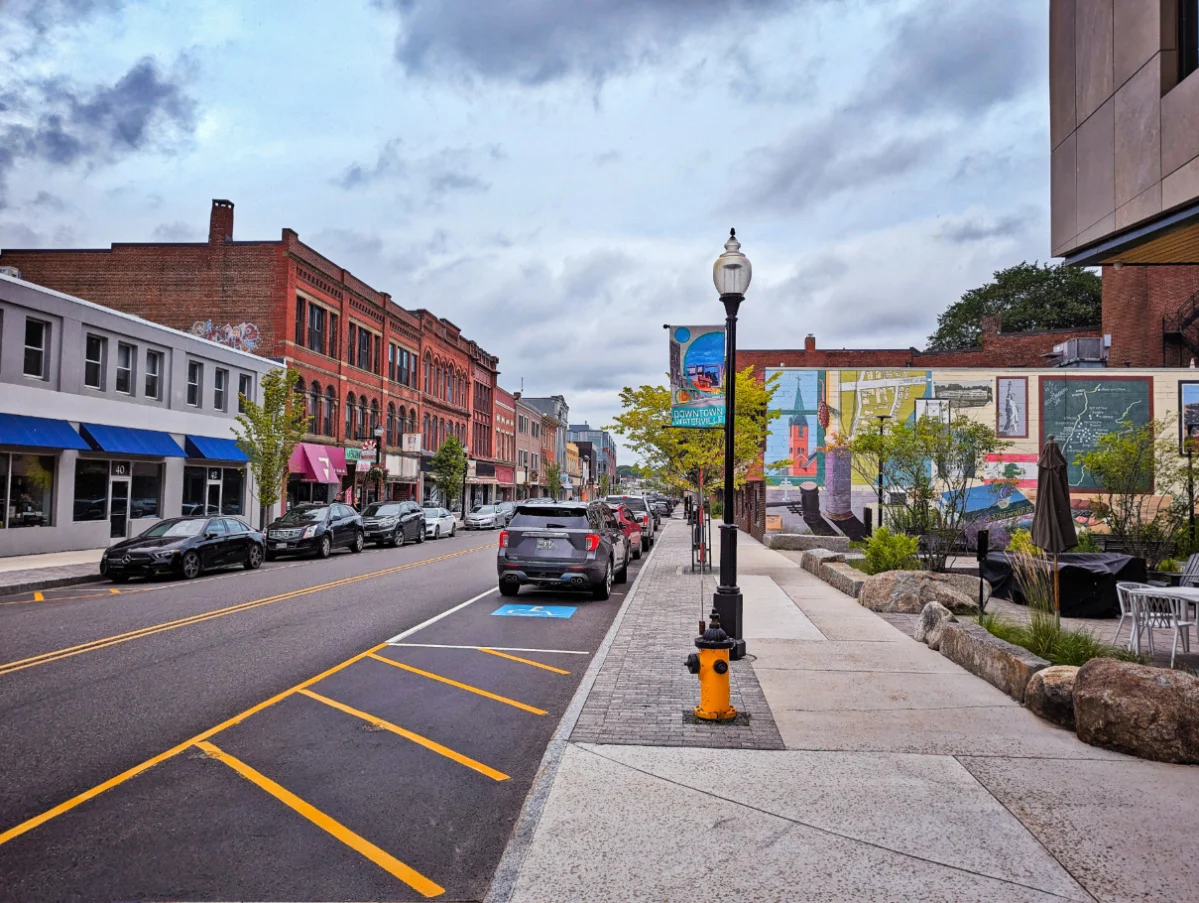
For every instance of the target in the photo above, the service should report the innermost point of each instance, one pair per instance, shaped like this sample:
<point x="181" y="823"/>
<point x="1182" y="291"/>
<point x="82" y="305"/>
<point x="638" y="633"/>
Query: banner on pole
<point x="697" y="377"/>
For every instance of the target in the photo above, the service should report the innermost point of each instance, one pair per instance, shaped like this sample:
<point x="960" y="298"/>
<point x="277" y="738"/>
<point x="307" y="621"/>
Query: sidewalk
<point x="871" y="769"/>
<point x="26" y="573"/>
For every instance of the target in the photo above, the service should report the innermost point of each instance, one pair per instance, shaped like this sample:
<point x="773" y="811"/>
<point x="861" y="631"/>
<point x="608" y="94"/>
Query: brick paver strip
<point x="644" y="692"/>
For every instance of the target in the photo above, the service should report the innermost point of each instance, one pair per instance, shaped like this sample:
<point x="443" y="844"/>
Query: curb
<point x="503" y="882"/>
<point x="12" y="589"/>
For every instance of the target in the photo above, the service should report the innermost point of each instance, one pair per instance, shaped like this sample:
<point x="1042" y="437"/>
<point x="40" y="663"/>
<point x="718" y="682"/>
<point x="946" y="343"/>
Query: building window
<point x="125" y="357"/>
<point x="330" y="402"/>
<point x="314" y="407"/>
<point x="37" y="348"/>
<point x="364" y="348"/>
<point x="316" y="328"/>
<point x="391" y="423"/>
<point x="299" y="320"/>
<point x="360" y="433"/>
<point x="154" y="375"/>
<point x="91" y="490"/>
<point x="244" y="389"/>
<point x="93" y="362"/>
<point x="333" y="346"/>
<point x="350" y="413"/>
<point x="351" y="344"/>
<point x="195" y="375"/>
<point x="391" y="362"/>
<point x="1188" y="37"/>
<point x="219" y="388"/>
<point x="26" y="490"/>
<point x="145" y="490"/>
<point x="428" y="364"/>
<point x="425" y="437"/>
<point x="374" y="416"/>
<point x="233" y="490"/>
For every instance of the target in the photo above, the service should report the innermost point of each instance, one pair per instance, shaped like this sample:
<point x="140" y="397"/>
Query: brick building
<point x="366" y="364"/>
<point x="505" y="444"/>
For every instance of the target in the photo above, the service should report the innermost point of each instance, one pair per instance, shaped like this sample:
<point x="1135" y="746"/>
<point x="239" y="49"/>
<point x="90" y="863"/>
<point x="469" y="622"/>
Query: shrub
<point x="1087" y="542"/>
<point x="887" y="551"/>
<point x="1170" y="566"/>
<point x="1021" y="543"/>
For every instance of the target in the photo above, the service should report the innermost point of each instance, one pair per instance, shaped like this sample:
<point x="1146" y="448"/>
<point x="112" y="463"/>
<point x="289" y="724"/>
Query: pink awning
<point x="318" y="463"/>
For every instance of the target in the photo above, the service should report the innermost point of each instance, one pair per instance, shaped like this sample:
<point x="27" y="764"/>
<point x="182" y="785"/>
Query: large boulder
<point x="908" y="592"/>
<point x="1140" y="710"/>
<point x="998" y="662"/>
<point x="968" y="584"/>
<point x="1050" y="694"/>
<point x="933" y="619"/>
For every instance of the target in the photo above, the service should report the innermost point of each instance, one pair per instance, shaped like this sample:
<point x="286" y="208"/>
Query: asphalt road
<point x="254" y="735"/>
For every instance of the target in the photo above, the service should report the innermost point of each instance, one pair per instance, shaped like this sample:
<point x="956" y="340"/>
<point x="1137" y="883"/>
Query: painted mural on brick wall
<point x="243" y="336"/>
<point x="821" y="492"/>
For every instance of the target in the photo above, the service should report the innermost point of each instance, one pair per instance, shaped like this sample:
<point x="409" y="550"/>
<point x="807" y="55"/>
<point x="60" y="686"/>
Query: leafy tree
<point x="605" y="485"/>
<point x="674" y="456"/>
<point x="935" y="465"/>
<point x="626" y="470"/>
<point x="553" y="478"/>
<point x="449" y="470"/>
<point x="1027" y="296"/>
<point x="268" y="433"/>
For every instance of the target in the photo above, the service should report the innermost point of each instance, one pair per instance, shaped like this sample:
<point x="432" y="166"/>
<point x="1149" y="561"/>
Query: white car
<point x="439" y="523"/>
<point x="483" y="517"/>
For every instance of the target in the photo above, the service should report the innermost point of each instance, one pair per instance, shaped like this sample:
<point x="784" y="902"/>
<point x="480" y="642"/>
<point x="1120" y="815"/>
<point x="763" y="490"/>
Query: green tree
<point x="675" y="456"/>
<point x="553" y="477"/>
<point x="935" y="465"/>
<point x="605" y="485"/>
<point x="449" y="469"/>
<point x="1027" y="296"/>
<point x="268" y="433"/>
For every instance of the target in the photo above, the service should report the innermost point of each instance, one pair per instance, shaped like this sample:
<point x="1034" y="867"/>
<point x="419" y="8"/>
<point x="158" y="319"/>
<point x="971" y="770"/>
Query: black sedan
<point x="186" y="546"/>
<point x="315" y="530"/>
<point x="394" y="523"/>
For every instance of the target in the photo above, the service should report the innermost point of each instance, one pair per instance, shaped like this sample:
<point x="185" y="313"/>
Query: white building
<point x="109" y="423"/>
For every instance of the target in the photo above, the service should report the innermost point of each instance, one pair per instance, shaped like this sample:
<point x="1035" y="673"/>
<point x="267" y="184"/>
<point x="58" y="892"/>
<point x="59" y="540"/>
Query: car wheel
<point x="254" y="557"/>
<point x="637" y="553"/>
<point x="622" y="576"/>
<point x="603" y="590"/>
<point x="509" y="588"/>
<point x="190" y="566"/>
<point x="358" y="543"/>
<point x="325" y="548"/>
<point x="420" y="536"/>
<point x="119" y="578"/>
<point x="453" y="530"/>
<point x="398" y="537"/>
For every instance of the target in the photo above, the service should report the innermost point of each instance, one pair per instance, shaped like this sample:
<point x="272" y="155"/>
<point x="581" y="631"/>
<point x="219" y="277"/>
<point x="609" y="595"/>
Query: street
<point x="357" y="728"/>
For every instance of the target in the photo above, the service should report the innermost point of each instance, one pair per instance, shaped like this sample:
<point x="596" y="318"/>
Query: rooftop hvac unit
<point x="1088" y="351"/>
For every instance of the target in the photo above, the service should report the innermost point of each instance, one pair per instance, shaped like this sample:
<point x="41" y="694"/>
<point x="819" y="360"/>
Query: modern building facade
<point x="109" y="423"/>
<point x="602" y="455"/>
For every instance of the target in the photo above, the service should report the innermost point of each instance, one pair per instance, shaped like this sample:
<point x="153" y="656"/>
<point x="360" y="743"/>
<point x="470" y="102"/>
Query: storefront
<point x="402" y="473"/>
<point x="30" y="454"/>
<point x="505" y="478"/>
<point x="318" y="473"/>
<point x="480" y="483"/>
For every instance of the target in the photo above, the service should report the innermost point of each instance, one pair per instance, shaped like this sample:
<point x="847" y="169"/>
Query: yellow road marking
<point x="103" y="642"/>
<point x="523" y="661"/>
<point x="114" y="592"/>
<point x="460" y="686"/>
<point x="133" y="772"/>
<point x="38" y="597"/>
<point x="356" y="842"/>
<point x="409" y="735"/>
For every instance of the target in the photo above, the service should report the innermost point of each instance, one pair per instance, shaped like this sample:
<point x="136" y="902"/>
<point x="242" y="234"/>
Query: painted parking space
<point x="534" y="611"/>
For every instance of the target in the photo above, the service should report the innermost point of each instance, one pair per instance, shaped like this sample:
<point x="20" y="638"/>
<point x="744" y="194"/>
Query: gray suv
<point x="566" y="545"/>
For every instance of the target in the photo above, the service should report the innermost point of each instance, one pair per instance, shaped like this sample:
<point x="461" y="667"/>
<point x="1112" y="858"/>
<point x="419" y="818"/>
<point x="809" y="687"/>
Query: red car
<point x="630" y="528"/>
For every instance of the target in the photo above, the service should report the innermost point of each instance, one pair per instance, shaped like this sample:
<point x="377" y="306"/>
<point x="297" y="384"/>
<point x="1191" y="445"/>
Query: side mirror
<point x="211" y="534"/>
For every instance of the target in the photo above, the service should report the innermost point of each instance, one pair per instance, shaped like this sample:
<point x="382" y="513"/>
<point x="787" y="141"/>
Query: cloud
<point x="176" y="231"/>
<point x="969" y="229"/>
<point x="534" y="42"/>
<point x="48" y="201"/>
<point x="427" y="179"/>
<point x="387" y="165"/>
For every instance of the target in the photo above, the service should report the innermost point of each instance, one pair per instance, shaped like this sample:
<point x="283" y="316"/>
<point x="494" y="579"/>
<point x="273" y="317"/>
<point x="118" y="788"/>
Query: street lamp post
<point x="379" y="460"/>
<point x="731" y="273"/>
<point x="882" y="420"/>
<point x="465" y="468"/>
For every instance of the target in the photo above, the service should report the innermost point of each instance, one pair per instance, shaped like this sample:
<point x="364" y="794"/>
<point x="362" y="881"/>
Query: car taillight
<point x="503" y="539"/>
<point x="592" y="542"/>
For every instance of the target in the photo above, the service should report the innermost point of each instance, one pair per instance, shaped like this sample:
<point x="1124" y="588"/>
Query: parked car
<point x="393" y="523"/>
<point x="507" y="509"/>
<point x="570" y="545"/>
<point x="640" y="511"/>
<point x="630" y="527"/>
<point x="439" y="522"/>
<point x="483" y="517"/>
<point x="315" y="530"/>
<point x="187" y="546"/>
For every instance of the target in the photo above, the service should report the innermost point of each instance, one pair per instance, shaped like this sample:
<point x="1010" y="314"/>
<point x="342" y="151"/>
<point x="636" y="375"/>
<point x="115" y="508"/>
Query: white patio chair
<point x="1190" y="573"/>
<point x="1124" y="590"/>
<point x="1156" y="611"/>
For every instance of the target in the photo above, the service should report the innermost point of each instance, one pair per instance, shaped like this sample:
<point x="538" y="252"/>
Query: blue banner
<point x="697" y="376"/>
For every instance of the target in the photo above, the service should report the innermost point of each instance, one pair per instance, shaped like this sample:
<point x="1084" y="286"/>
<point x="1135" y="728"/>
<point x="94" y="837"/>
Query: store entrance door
<point x="118" y="501"/>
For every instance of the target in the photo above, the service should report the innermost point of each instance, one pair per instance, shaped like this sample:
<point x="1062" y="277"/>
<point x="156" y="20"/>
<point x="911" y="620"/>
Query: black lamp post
<point x="882" y="420"/>
<point x="379" y="460"/>
<point x="465" y="468"/>
<point x="731" y="274"/>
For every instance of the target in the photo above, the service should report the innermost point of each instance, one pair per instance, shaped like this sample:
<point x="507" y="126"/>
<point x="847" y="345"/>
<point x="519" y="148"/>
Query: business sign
<point x="367" y="454"/>
<point x="697" y="377"/>
<point x="352" y="454"/>
<point x="412" y="442"/>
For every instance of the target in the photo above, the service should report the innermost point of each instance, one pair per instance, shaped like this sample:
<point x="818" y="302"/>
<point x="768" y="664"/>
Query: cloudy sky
<point x="554" y="176"/>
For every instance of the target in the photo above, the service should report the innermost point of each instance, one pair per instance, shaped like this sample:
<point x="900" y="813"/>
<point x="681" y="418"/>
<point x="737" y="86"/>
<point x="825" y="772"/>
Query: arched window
<point x="428" y="363"/>
<point x="330" y="402"/>
<point x="391" y="423"/>
<point x="360" y="432"/>
<point x="426" y="439"/>
<point x="402" y="425"/>
<point x="450" y="392"/>
<point x="314" y="407"/>
<point x="351" y="411"/>
<point x="412" y="421"/>
<point x="374" y="418"/>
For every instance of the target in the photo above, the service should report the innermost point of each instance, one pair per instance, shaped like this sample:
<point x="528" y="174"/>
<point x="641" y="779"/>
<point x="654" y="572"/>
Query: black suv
<point x="394" y="523"/>
<point x="315" y="530"/>
<point x="568" y="545"/>
<point x="642" y="512"/>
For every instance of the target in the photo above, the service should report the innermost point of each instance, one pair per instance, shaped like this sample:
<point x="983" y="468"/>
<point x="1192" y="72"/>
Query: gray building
<point x="558" y="411"/>
<point x="109" y="423"/>
<point x="603" y="450"/>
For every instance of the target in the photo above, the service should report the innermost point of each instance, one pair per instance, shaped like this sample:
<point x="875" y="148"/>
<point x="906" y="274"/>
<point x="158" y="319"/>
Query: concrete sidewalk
<point x="871" y="769"/>
<point x="27" y="573"/>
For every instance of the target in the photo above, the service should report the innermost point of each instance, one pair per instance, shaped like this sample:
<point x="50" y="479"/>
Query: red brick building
<point x="505" y="444"/>
<point x="1152" y="315"/>
<point x="365" y="363"/>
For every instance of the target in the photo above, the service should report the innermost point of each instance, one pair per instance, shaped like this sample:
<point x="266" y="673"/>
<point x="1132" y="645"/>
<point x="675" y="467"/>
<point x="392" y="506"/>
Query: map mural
<point x="1077" y="411"/>
<point x="867" y="395"/>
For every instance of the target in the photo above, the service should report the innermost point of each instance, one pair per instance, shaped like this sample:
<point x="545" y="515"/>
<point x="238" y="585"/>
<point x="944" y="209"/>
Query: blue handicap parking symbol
<point x="535" y="611"/>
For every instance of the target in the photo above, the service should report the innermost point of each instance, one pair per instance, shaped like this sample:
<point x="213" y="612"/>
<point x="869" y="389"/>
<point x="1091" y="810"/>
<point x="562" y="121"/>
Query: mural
<point x="972" y="393"/>
<point x="1188" y="412"/>
<point x="1077" y="410"/>
<point x="937" y="408"/>
<point x="243" y="336"/>
<point x="1012" y="410"/>
<point x="797" y="435"/>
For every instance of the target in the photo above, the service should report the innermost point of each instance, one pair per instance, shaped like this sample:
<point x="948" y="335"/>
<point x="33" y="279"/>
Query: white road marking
<point x="496" y="648"/>
<point x="445" y="614"/>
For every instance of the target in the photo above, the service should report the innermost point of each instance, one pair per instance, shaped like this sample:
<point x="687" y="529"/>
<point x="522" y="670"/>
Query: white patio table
<point x="1187" y="597"/>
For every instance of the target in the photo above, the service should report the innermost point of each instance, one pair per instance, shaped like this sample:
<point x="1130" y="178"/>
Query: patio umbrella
<point x="1053" y="522"/>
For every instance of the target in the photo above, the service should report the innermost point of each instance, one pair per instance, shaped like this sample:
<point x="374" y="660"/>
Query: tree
<point x="268" y="433"/>
<point x="1027" y="296"/>
<point x="553" y="477"/>
<point x="449" y="470"/>
<point x="626" y="470"/>
<point x="605" y="485"/>
<point x="675" y="456"/>
<point x="935" y="465"/>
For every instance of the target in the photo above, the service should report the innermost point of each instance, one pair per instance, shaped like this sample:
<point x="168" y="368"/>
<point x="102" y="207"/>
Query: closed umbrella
<point x="1053" y="522"/>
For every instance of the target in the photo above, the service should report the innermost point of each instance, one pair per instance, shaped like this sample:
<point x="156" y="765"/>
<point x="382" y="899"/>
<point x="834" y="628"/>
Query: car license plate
<point x="545" y="543"/>
<point x="280" y="545"/>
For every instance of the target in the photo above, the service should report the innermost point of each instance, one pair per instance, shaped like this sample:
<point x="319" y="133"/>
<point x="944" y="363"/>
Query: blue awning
<point x="39" y="432"/>
<point x="126" y="440"/>
<point x="214" y="449"/>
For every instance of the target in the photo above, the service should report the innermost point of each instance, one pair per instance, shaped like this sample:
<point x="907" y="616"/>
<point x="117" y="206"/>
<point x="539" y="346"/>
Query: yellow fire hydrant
<point x="712" y="666"/>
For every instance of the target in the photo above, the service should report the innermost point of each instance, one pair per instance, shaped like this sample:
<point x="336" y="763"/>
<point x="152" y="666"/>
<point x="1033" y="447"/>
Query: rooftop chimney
<point x="220" y="223"/>
<point x="992" y="324"/>
<point x="809" y="342"/>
